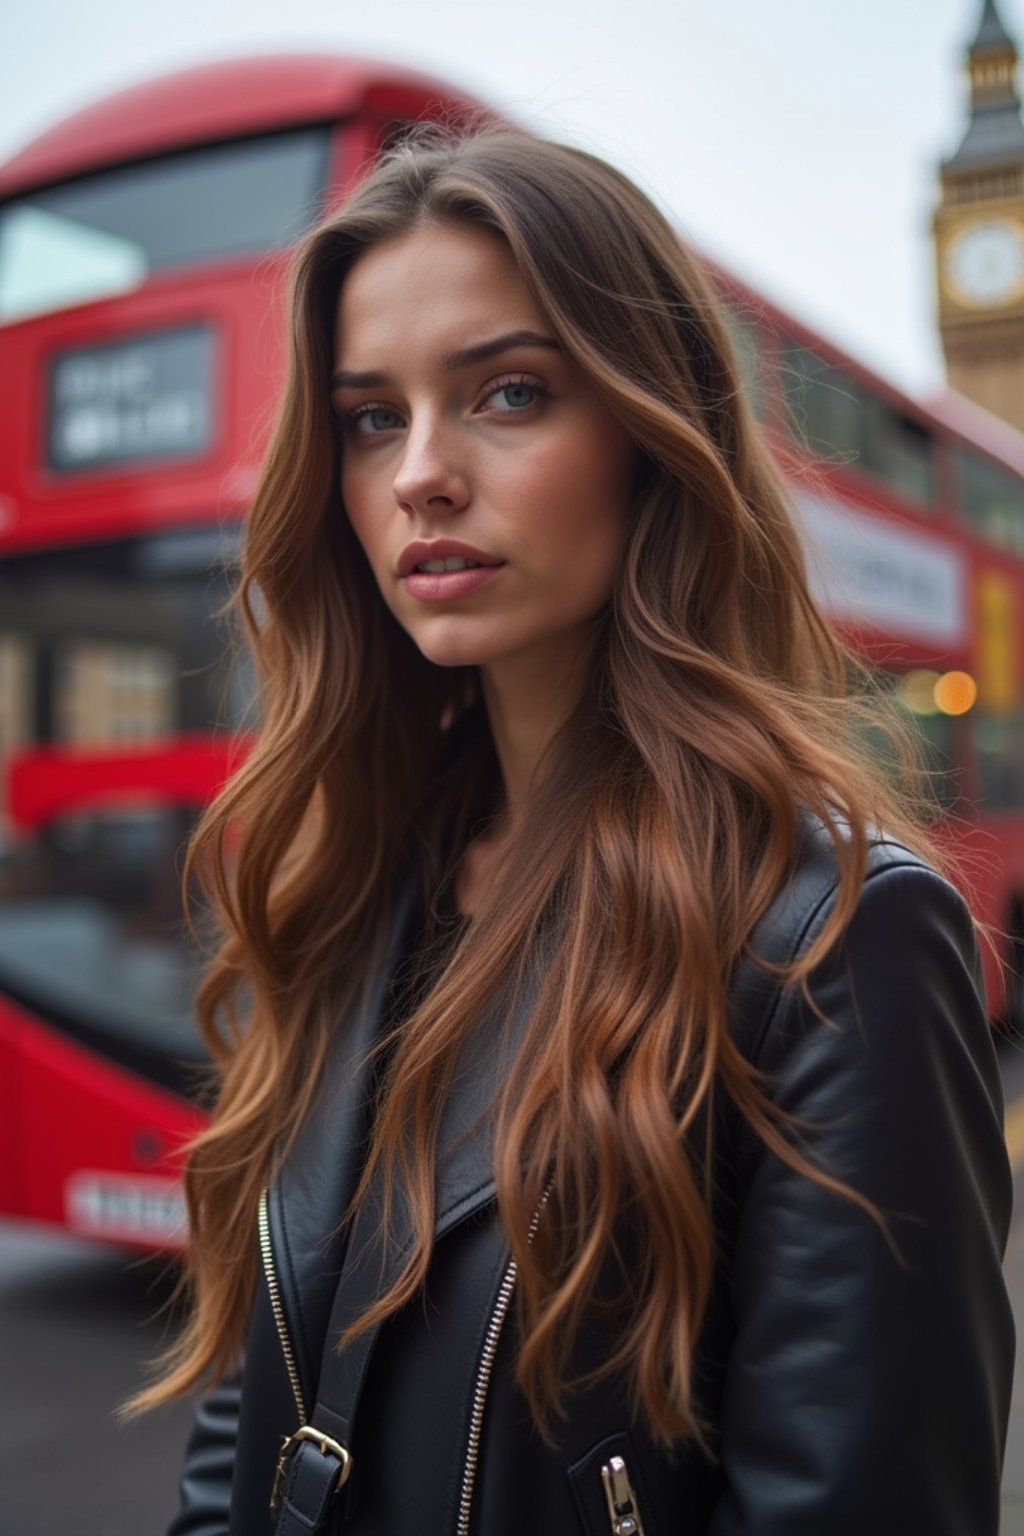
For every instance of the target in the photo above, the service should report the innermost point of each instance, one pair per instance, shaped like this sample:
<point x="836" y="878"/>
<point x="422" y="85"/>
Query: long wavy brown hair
<point x="719" y="709"/>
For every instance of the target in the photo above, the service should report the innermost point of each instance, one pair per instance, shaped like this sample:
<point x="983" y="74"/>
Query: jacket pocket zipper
<point x="267" y="1252"/>
<point x="623" y="1509"/>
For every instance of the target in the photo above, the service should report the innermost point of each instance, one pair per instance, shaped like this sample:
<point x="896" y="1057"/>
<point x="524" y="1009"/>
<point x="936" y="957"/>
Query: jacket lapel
<point x="317" y="1180"/>
<point x="465" y="1152"/>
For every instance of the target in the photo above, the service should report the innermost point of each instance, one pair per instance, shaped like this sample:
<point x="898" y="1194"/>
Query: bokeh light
<point x="917" y="691"/>
<point x="955" y="693"/>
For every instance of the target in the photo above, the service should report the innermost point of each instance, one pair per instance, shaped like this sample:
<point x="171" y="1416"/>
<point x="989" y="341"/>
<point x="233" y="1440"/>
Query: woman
<point x="612" y="1049"/>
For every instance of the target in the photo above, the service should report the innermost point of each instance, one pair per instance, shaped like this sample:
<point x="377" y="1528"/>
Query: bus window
<point x="899" y="450"/>
<point x="105" y="234"/>
<point x="129" y="673"/>
<point x="992" y="499"/>
<point x="938" y="735"/>
<point x="16" y="690"/>
<point x="825" y="405"/>
<point x="91" y="936"/>
<point x="999" y="749"/>
<point x="835" y="417"/>
<point x="112" y="692"/>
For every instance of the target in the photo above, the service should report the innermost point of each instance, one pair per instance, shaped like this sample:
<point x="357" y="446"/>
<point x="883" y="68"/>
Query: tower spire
<point x="995" y="133"/>
<point x="991" y="32"/>
<point x="979" y="231"/>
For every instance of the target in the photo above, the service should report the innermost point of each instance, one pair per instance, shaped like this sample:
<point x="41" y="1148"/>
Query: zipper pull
<point x="623" y="1511"/>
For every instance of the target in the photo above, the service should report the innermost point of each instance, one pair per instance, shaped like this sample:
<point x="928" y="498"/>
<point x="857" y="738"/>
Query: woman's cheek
<point x="357" y="503"/>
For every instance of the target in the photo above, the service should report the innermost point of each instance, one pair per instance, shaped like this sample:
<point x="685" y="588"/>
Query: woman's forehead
<point x="441" y="287"/>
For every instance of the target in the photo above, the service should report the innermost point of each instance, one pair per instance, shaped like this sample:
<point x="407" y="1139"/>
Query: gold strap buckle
<point x="324" y="1444"/>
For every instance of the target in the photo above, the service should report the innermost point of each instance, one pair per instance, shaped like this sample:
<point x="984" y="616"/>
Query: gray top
<point x="991" y="32"/>
<point x="995" y="134"/>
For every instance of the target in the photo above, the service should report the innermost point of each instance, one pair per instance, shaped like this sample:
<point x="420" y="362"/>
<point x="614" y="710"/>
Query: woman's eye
<point x="368" y="420"/>
<point x="516" y="395"/>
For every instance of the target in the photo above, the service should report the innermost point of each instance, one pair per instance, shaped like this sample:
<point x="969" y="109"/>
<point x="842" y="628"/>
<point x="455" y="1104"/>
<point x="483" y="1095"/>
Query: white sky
<point x="795" y="140"/>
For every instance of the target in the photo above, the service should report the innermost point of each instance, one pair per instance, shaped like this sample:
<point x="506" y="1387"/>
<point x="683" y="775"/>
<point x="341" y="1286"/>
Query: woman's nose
<point x="430" y="472"/>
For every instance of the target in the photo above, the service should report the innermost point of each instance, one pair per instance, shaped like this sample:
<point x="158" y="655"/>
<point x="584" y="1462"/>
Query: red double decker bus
<point x="914" y="526"/>
<point x="143" y="245"/>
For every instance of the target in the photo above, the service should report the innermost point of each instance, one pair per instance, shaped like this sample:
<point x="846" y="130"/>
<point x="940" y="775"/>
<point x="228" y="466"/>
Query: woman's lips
<point x="439" y="586"/>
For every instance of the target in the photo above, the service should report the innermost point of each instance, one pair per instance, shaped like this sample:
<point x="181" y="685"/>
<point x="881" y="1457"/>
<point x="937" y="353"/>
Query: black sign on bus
<point x="130" y="402"/>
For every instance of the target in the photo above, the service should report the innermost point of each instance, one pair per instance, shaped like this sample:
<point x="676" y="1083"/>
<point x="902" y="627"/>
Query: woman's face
<point x="469" y="436"/>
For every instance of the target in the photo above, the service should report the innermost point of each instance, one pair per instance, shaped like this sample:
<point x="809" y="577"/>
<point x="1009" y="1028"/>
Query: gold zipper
<point x="483" y="1377"/>
<point x="275" y="1301"/>
<point x="623" y="1509"/>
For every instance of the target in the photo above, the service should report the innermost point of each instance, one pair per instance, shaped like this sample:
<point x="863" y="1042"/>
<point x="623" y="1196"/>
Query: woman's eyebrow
<point x="453" y="361"/>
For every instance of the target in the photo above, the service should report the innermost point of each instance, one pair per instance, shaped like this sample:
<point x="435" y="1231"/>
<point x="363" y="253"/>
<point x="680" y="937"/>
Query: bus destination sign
<point x="130" y="402"/>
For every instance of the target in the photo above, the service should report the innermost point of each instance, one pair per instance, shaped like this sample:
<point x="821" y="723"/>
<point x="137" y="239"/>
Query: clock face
<point x="985" y="263"/>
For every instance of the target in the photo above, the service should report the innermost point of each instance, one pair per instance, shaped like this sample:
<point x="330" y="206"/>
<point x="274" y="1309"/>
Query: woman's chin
<point x="455" y="655"/>
<point x="445" y="647"/>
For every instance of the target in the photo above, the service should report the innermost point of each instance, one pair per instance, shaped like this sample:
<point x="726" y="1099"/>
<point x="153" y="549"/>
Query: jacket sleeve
<point x="866" y="1392"/>
<point x="209" y="1465"/>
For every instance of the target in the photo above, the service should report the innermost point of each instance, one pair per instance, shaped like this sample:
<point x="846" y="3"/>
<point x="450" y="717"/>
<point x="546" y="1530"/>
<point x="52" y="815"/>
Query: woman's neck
<point x="528" y="699"/>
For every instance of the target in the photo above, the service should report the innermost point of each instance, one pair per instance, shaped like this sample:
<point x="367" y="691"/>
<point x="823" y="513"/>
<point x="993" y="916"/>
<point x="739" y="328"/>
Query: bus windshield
<point x="118" y="699"/>
<point x="104" y="234"/>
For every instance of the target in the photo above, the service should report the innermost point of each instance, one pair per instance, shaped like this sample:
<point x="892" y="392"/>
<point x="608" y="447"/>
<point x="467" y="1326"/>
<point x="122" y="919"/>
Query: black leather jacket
<point x="849" y="1393"/>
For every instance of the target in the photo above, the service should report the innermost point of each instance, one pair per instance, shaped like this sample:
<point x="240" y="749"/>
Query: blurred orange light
<point x="955" y="692"/>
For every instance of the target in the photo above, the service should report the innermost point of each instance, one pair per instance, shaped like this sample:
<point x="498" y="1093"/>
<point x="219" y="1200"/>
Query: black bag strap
<point x="315" y="1463"/>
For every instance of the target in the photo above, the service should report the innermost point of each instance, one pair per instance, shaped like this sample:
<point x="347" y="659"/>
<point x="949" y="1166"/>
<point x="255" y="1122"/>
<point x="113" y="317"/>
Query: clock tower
<point x="979" y="233"/>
